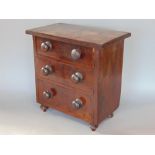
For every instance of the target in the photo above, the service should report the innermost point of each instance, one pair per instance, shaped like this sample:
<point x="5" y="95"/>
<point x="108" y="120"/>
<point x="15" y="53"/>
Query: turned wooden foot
<point x="43" y="108"/>
<point x="111" y="115"/>
<point x="93" y="127"/>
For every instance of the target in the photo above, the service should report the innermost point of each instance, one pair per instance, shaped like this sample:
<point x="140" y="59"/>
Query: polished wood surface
<point x="62" y="73"/>
<point x="63" y="97"/>
<point x="87" y="36"/>
<point x="109" y="83"/>
<point x="101" y="64"/>
<point x="62" y="51"/>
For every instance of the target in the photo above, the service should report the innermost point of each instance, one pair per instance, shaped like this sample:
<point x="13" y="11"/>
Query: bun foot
<point x="111" y="115"/>
<point x="43" y="108"/>
<point x="93" y="127"/>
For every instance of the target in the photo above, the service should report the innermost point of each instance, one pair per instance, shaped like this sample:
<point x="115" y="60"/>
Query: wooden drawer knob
<point x="46" y="70"/>
<point x="47" y="94"/>
<point x="46" y="46"/>
<point x="76" y="77"/>
<point x="75" y="54"/>
<point x="77" y="103"/>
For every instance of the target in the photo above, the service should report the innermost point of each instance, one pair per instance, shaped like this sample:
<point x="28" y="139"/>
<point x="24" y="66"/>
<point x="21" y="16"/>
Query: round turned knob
<point x="45" y="46"/>
<point x="46" y="70"/>
<point x="47" y="94"/>
<point x="76" y="77"/>
<point x="75" y="54"/>
<point x="77" y="103"/>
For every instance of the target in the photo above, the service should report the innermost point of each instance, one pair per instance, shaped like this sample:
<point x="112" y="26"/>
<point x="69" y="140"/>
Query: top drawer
<point x="68" y="53"/>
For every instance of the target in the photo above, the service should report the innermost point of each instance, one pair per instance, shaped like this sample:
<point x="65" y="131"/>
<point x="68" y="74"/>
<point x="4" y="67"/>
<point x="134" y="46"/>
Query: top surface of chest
<point x="87" y="36"/>
<point x="75" y="72"/>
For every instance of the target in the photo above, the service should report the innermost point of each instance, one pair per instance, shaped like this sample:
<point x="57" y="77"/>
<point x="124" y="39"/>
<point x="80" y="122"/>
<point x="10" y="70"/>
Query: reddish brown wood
<point x="62" y="52"/>
<point x="35" y="48"/>
<point x="109" y="82"/>
<point x="62" y="100"/>
<point x="101" y="64"/>
<point x="62" y="73"/>
<point x="79" y="35"/>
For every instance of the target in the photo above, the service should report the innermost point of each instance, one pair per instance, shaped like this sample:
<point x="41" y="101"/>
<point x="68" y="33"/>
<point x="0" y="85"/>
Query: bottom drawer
<point x="64" y="99"/>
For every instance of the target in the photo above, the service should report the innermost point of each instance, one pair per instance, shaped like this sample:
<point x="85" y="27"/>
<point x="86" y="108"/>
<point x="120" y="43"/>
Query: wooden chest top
<point x="76" y="73"/>
<point x="87" y="36"/>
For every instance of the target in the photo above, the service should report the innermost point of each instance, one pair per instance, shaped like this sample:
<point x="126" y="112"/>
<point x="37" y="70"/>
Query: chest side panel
<point x="110" y="75"/>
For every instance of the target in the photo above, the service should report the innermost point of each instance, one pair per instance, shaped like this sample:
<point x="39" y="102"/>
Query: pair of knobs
<point x="75" y="77"/>
<point x="77" y="103"/>
<point x="47" y="46"/>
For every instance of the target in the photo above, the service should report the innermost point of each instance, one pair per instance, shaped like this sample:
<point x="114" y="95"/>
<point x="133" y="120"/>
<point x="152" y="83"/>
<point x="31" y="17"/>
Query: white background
<point x="99" y="9"/>
<point x="20" y="115"/>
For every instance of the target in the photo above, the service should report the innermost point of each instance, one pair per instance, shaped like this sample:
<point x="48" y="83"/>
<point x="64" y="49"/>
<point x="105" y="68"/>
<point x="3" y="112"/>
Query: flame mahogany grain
<point x="101" y="64"/>
<point x="62" y="73"/>
<point x="63" y="97"/>
<point x="62" y="52"/>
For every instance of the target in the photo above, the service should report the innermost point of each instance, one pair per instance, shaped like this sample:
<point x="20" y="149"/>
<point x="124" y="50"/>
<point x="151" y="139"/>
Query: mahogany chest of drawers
<point x="78" y="70"/>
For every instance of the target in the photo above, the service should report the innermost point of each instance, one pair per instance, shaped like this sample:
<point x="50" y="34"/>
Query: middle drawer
<point x="57" y="71"/>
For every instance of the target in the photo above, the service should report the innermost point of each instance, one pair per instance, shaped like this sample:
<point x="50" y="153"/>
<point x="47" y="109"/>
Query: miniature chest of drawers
<point x="78" y="70"/>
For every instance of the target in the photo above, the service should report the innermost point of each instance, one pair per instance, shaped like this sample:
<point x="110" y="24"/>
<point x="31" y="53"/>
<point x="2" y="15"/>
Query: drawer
<point x="77" y="104"/>
<point x="79" y="78"/>
<point x="68" y="53"/>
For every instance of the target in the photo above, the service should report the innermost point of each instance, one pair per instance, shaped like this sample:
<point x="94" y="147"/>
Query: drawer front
<point x="64" y="73"/>
<point x="68" y="53"/>
<point x="63" y="99"/>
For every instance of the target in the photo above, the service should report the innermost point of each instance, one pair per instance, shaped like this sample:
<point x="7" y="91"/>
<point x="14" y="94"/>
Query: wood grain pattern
<point x="86" y="36"/>
<point x="110" y="75"/>
<point x="63" y="98"/>
<point x="62" y="73"/>
<point x="107" y="84"/>
<point x="101" y="64"/>
<point x="62" y="51"/>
